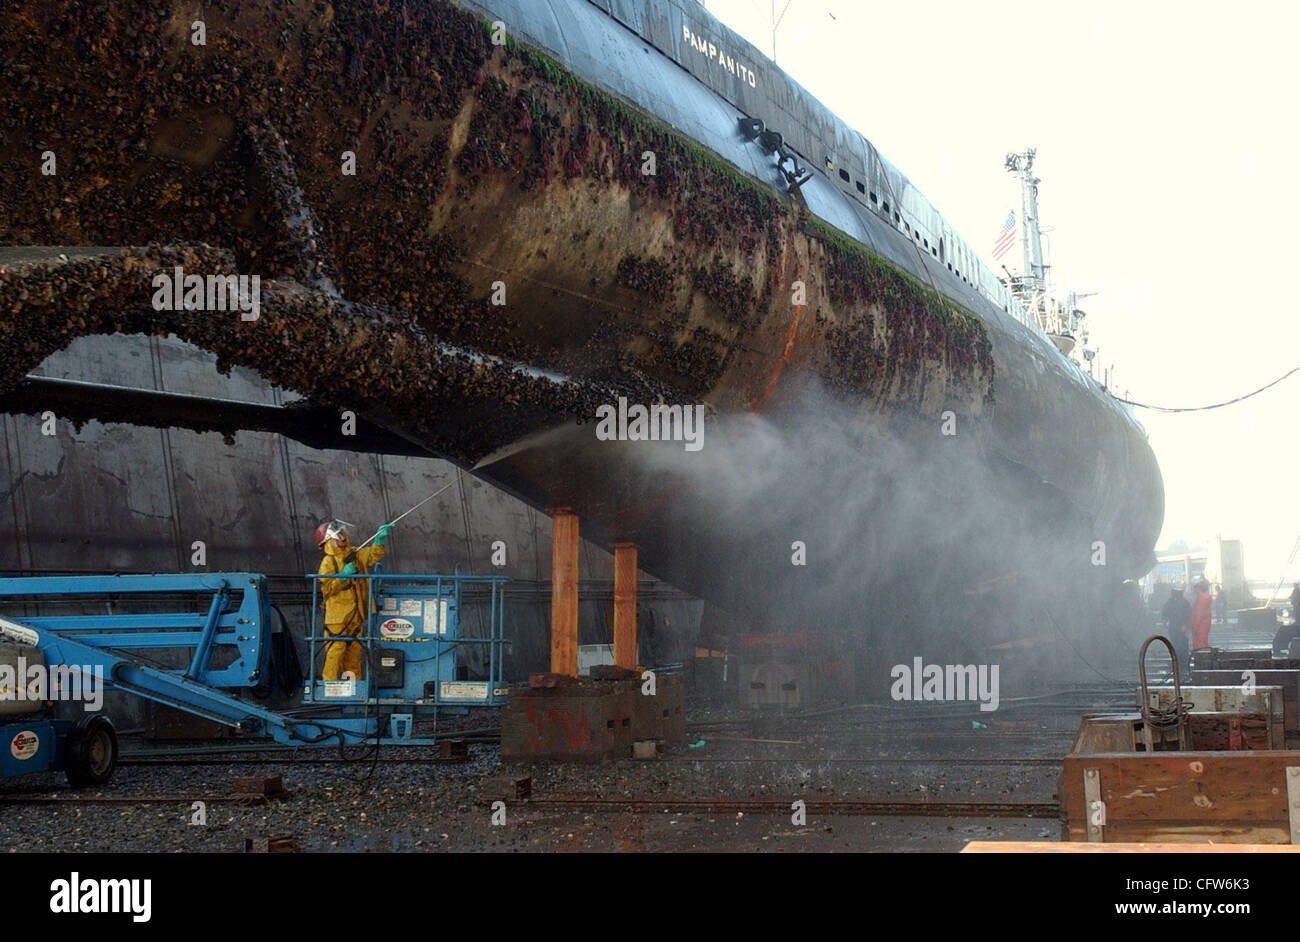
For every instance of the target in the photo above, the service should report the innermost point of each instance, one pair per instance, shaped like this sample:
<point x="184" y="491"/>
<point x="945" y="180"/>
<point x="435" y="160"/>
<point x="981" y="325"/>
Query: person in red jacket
<point x="1199" y="623"/>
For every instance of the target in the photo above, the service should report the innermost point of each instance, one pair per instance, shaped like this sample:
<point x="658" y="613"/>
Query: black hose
<point x="283" y="669"/>
<point x="285" y="666"/>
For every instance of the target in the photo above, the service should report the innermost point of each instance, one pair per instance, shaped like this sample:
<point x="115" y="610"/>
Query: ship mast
<point x="1063" y="324"/>
<point x="1033" y="283"/>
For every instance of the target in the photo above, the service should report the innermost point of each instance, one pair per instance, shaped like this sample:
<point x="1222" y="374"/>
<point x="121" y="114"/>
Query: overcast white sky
<point x="1166" y="137"/>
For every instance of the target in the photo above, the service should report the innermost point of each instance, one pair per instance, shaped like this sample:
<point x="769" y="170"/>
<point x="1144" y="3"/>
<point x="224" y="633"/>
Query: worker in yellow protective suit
<point x="346" y="599"/>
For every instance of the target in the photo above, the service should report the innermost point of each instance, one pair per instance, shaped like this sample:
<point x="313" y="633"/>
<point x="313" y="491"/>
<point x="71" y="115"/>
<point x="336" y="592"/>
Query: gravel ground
<point x="409" y="806"/>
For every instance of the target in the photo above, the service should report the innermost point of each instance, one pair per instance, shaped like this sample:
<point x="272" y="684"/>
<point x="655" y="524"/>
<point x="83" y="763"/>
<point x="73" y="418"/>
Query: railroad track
<point x="866" y="760"/>
<point x="244" y="759"/>
<point x="81" y="798"/>
<point x="782" y="806"/>
<point x="404" y="759"/>
<point x="826" y="806"/>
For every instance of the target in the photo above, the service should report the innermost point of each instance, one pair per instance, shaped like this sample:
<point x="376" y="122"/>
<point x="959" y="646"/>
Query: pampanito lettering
<point x="720" y="57"/>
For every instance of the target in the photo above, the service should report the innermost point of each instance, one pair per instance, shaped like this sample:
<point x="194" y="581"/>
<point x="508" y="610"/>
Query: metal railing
<point x="450" y="592"/>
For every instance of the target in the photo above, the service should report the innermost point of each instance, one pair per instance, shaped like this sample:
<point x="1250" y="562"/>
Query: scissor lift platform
<point x="223" y="621"/>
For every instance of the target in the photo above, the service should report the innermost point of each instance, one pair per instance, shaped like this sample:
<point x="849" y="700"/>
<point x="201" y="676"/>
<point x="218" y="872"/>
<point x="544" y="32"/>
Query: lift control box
<point x="416" y="627"/>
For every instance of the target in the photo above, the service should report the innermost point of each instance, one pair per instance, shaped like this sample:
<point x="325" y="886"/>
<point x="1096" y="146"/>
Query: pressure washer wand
<point x="455" y="480"/>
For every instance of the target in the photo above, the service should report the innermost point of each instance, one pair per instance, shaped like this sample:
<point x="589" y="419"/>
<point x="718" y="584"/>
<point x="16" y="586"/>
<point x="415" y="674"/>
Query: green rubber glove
<point x="382" y="535"/>
<point x="348" y="570"/>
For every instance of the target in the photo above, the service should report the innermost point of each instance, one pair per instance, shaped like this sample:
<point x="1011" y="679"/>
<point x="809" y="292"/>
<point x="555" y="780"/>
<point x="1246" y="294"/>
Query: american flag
<point x="1007" y="237"/>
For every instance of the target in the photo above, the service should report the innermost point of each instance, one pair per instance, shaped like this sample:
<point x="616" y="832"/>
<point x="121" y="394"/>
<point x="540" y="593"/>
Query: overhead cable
<point x="1217" y="405"/>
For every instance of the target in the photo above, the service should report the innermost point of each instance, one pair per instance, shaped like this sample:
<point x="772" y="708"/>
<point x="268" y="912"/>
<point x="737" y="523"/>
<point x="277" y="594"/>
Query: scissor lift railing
<point x="406" y="611"/>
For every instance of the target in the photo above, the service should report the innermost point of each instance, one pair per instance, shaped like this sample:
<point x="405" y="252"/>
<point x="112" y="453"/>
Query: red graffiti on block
<point x="576" y="730"/>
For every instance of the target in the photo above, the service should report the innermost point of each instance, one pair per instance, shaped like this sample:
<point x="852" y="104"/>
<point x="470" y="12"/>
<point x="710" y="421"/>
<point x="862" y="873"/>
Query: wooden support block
<point x="453" y="749"/>
<point x="625" y="605"/>
<point x="272" y="786"/>
<point x="612" y="672"/>
<point x="272" y="844"/>
<point x="507" y="788"/>
<point x="564" y="592"/>
<point x="549" y="680"/>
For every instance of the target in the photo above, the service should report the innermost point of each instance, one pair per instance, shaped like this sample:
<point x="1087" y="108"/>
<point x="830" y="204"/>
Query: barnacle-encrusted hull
<point x="490" y="173"/>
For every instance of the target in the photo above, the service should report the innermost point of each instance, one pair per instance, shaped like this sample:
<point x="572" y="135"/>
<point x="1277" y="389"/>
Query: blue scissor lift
<point x="412" y="638"/>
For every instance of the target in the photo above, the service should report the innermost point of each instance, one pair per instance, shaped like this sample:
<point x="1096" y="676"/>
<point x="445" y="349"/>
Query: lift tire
<point x="90" y="754"/>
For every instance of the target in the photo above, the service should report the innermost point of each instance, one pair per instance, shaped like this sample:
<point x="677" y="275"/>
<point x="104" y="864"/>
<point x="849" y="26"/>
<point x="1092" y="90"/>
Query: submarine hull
<point x="459" y="240"/>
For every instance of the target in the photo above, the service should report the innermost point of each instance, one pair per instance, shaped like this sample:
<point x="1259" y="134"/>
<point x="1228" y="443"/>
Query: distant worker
<point x="346" y="599"/>
<point x="1201" y="617"/>
<point x="1176" y="614"/>
<point x="1287" y="635"/>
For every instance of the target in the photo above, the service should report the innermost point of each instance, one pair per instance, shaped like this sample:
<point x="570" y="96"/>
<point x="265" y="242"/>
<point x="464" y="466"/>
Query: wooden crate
<point x="1288" y="680"/>
<point x="1181" y="797"/>
<point x="1268" y="701"/>
<point x="1206" y="732"/>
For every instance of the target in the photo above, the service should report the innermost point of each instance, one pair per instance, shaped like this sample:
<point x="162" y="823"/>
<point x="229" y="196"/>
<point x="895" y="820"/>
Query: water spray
<point x="407" y="513"/>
